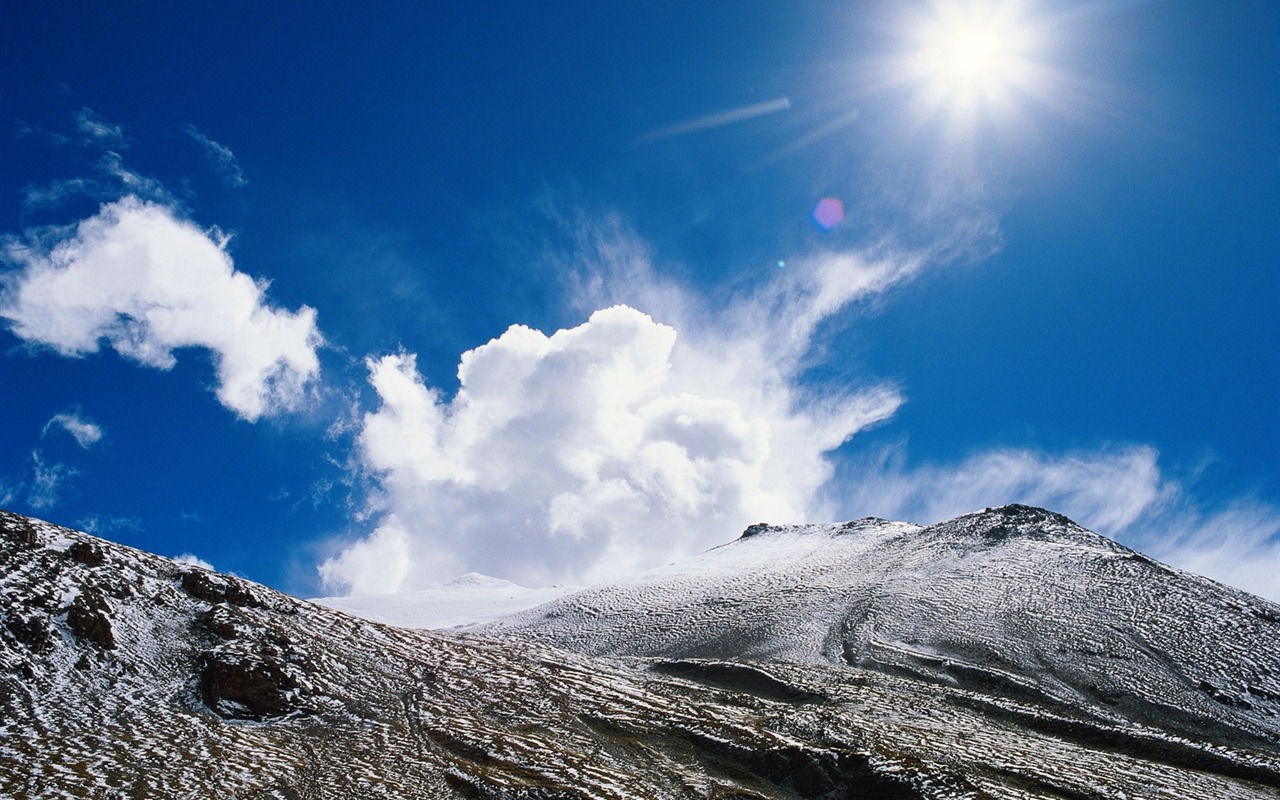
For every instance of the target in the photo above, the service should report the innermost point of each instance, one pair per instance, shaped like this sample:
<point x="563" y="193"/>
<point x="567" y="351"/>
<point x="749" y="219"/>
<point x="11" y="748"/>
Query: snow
<point x="866" y="639"/>
<point x="466" y="601"/>
<point x="1014" y="601"/>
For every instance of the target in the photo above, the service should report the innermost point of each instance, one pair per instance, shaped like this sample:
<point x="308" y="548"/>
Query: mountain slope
<point x="1012" y="602"/>
<point x="126" y="675"/>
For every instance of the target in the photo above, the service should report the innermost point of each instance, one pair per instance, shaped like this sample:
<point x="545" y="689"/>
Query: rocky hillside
<point x="126" y="675"/>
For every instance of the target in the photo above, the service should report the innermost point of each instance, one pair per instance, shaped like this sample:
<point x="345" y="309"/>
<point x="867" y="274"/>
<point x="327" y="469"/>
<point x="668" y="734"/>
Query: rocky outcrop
<point x="89" y="619"/>
<point x="239" y="685"/>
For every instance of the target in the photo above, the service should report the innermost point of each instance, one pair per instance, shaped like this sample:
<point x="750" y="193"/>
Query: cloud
<point x="1106" y="489"/>
<point x="102" y="525"/>
<point x="53" y="194"/>
<point x="40" y="489"/>
<point x="659" y="427"/>
<point x="221" y="157"/>
<point x="717" y="119"/>
<point x="1119" y="492"/>
<point x="110" y="178"/>
<point x="1239" y="545"/>
<point x="582" y="456"/>
<point x="148" y="283"/>
<point x="665" y="423"/>
<point x="98" y="131"/>
<point x="85" y="433"/>
<point x="193" y="561"/>
<point x="47" y="481"/>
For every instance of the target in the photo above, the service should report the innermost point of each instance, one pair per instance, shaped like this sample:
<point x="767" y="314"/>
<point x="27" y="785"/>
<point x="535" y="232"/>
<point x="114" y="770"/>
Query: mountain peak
<point x="1016" y="517"/>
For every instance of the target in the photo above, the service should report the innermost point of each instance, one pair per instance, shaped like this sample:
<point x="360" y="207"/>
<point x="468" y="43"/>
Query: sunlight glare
<point x="971" y="51"/>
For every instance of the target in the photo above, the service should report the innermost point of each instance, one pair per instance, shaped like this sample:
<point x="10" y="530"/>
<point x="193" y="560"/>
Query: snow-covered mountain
<point x="1012" y="602"/>
<point x="1007" y="654"/>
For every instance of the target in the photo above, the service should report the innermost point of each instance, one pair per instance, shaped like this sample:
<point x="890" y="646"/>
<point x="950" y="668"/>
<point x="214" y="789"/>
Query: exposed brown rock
<point x="87" y="618"/>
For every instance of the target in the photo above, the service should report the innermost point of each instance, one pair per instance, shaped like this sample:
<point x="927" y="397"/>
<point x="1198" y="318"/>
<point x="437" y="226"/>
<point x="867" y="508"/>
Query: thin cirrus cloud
<point x="110" y="178"/>
<point x="1239" y="544"/>
<point x="147" y="283"/>
<point x="1106" y="489"/>
<point x="48" y="480"/>
<point x="223" y="160"/>
<point x="98" y="131"/>
<point x="716" y="120"/>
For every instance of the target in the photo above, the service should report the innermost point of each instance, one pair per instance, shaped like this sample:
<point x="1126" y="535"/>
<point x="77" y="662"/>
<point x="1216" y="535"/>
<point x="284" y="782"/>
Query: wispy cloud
<point x="110" y="177"/>
<point x="104" y="525"/>
<point x="9" y="492"/>
<point x="1120" y="492"/>
<point x="54" y="193"/>
<point x="716" y="120"/>
<point x="99" y="131"/>
<point x="1108" y="489"/>
<point x="85" y="432"/>
<point x="47" y="481"/>
<point x="111" y="180"/>
<point x="221" y="157"/>
<point x="1239" y="544"/>
<point x="148" y="283"/>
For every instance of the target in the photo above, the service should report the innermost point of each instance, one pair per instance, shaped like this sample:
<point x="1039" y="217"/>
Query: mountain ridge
<point x="124" y="674"/>
<point x="1016" y="597"/>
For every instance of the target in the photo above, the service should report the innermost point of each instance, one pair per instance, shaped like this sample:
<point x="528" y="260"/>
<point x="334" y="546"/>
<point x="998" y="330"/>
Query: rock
<point x="213" y="588"/>
<point x="239" y="686"/>
<point x="221" y="620"/>
<point x="87" y="553"/>
<point x="18" y="528"/>
<point x="31" y="631"/>
<point x="87" y="619"/>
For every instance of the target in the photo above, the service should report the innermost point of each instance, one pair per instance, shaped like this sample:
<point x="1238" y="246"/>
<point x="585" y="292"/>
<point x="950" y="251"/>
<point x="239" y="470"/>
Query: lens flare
<point x="828" y="213"/>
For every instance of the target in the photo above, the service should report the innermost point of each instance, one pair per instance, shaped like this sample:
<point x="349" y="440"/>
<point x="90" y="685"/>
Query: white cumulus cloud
<point x="148" y="283"/>
<point x="662" y="425"/>
<point x="584" y="455"/>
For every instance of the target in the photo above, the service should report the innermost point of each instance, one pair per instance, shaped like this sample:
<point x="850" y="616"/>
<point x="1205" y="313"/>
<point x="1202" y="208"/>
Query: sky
<point x="358" y="300"/>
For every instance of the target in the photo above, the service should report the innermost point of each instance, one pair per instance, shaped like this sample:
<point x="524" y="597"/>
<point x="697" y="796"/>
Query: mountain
<point x="1008" y="654"/>
<point x="1016" y="601"/>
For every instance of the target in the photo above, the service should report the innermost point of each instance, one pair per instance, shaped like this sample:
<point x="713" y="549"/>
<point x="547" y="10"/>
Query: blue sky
<point x="247" y="248"/>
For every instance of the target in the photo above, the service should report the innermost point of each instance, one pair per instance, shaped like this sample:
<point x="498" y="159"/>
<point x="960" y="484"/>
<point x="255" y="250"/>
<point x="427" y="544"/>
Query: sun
<point x="971" y="53"/>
